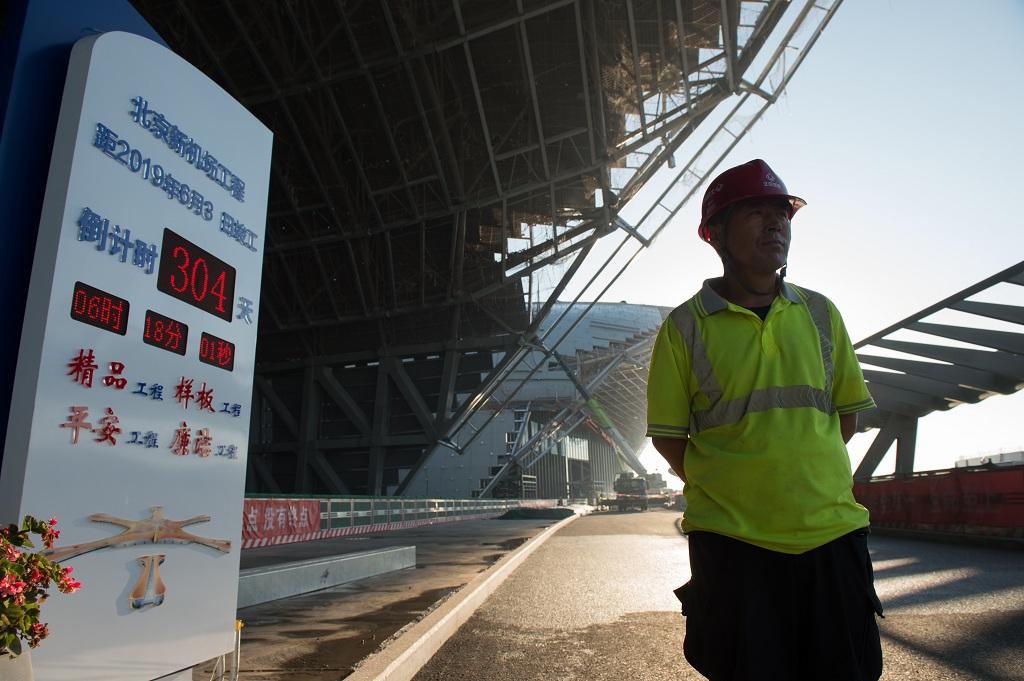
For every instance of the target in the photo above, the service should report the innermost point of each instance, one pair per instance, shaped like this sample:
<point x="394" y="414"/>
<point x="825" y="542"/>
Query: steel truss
<point x="753" y="100"/>
<point x="442" y="169"/>
<point x="601" y="370"/>
<point x="984" y="362"/>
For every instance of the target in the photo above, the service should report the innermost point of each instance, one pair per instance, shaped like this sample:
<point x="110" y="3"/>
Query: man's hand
<point x="673" y="451"/>
<point x="847" y="426"/>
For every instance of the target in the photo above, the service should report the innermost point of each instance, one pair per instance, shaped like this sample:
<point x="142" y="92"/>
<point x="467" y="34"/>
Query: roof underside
<point x="441" y="167"/>
<point x="416" y="143"/>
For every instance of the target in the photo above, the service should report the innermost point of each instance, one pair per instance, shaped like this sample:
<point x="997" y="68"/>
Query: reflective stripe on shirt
<point x="727" y="412"/>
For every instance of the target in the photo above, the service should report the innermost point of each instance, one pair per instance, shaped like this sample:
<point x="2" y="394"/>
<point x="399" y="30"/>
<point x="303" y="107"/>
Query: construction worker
<point x="753" y="393"/>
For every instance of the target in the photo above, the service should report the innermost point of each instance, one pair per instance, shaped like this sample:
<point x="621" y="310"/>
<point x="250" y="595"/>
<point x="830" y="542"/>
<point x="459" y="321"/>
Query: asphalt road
<point x="595" y="603"/>
<point x="319" y="636"/>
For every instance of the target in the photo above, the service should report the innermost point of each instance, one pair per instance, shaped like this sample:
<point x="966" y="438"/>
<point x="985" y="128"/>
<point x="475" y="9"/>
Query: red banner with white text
<point x="279" y="518"/>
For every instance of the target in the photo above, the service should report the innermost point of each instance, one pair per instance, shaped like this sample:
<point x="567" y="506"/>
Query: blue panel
<point x="34" y="53"/>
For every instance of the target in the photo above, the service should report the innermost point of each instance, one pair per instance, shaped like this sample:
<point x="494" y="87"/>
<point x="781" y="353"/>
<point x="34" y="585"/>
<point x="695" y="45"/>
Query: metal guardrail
<point x="340" y="513"/>
<point x="357" y="511"/>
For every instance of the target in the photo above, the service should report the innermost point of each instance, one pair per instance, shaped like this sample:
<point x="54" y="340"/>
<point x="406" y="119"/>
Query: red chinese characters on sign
<point x="82" y="367"/>
<point x="204" y="398"/>
<point x="76" y="422"/>
<point x="183" y="391"/>
<point x="107" y="430"/>
<point x="182" y="437"/>
<point x="115" y="379"/>
<point x="110" y="426"/>
<point x="267" y="518"/>
<point x="204" y="443"/>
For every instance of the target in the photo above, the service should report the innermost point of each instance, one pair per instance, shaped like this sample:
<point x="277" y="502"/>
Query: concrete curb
<point x="406" y="655"/>
<point x="264" y="584"/>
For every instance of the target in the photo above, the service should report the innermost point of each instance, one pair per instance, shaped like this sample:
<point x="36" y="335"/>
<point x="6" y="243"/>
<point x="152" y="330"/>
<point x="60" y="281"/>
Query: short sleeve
<point x="668" y="393"/>
<point x="849" y="392"/>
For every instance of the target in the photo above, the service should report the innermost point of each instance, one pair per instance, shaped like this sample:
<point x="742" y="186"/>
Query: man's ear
<point x="715" y="238"/>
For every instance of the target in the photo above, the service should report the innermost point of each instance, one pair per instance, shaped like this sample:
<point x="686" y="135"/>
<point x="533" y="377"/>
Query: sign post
<point x="132" y="398"/>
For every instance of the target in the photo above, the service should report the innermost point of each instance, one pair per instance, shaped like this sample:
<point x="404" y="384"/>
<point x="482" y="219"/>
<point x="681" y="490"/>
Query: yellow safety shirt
<point x="760" y="404"/>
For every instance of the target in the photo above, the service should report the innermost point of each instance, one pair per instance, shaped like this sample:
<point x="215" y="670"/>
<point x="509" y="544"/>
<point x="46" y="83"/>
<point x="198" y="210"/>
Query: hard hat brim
<point x="796" y="203"/>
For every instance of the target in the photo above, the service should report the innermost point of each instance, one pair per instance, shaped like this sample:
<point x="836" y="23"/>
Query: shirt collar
<point x="710" y="302"/>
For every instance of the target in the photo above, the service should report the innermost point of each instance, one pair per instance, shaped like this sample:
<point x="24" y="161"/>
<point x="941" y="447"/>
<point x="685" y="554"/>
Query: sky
<point x="902" y="130"/>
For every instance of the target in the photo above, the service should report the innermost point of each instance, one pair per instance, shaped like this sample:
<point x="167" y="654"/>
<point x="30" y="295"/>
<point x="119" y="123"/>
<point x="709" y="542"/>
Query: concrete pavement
<point x="594" y="603"/>
<point x="952" y="611"/>
<point x="320" y="636"/>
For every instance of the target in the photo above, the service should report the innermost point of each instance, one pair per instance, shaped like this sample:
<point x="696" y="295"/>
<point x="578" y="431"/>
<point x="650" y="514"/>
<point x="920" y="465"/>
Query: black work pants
<point x="758" y="614"/>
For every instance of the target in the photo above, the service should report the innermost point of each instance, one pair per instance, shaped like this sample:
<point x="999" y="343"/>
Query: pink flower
<point x="9" y="586"/>
<point x="37" y="632"/>
<point x="25" y="579"/>
<point x="10" y="553"/>
<point x="50" y="535"/>
<point x="69" y="586"/>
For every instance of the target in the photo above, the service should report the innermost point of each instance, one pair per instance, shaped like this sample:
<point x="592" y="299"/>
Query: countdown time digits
<point x="194" y="276"/>
<point x="165" y="333"/>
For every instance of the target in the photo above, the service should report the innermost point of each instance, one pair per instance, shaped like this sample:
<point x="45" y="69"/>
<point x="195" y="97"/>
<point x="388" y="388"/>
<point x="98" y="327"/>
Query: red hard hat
<point x="753" y="179"/>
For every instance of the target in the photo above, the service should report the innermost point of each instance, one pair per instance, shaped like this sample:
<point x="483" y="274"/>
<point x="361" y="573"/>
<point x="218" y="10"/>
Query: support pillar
<point x="381" y="416"/>
<point x="898" y="428"/>
<point x="308" y="419"/>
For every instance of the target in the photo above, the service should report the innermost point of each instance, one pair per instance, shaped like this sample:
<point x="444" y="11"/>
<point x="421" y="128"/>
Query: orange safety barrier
<point x="956" y="499"/>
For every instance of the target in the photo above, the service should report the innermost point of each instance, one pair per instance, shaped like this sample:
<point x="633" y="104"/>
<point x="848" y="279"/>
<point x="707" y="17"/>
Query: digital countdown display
<point x="194" y="276"/>
<point x="217" y="351"/>
<point x="99" y="308"/>
<point x="165" y="333"/>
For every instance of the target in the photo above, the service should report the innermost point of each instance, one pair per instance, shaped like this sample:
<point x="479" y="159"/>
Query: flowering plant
<point x="24" y="580"/>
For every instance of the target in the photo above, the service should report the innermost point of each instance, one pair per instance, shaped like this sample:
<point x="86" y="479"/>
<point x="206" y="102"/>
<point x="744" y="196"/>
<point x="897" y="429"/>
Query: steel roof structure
<point x="918" y="377"/>
<point x="610" y="398"/>
<point x="440" y="168"/>
<point x="595" y="380"/>
<point x="908" y="379"/>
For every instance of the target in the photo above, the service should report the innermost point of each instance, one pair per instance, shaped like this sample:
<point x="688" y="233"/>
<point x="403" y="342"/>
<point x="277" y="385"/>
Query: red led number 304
<point x="194" y="276"/>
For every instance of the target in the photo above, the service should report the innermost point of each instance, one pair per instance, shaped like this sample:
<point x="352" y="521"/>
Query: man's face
<point x="757" y="235"/>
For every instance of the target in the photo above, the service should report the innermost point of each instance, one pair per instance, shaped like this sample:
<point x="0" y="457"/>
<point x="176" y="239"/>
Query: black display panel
<point x="217" y="351"/>
<point x="165" y="333"/>
<point x="194" y="276"/>
<point x="99" y="308"/>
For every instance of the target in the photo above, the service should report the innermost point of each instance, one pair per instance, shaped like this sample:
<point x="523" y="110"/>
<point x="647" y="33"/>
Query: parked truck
<point x="630" y="492"/>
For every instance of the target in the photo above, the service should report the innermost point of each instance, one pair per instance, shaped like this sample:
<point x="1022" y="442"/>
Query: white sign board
<point x="132" y="400"/>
